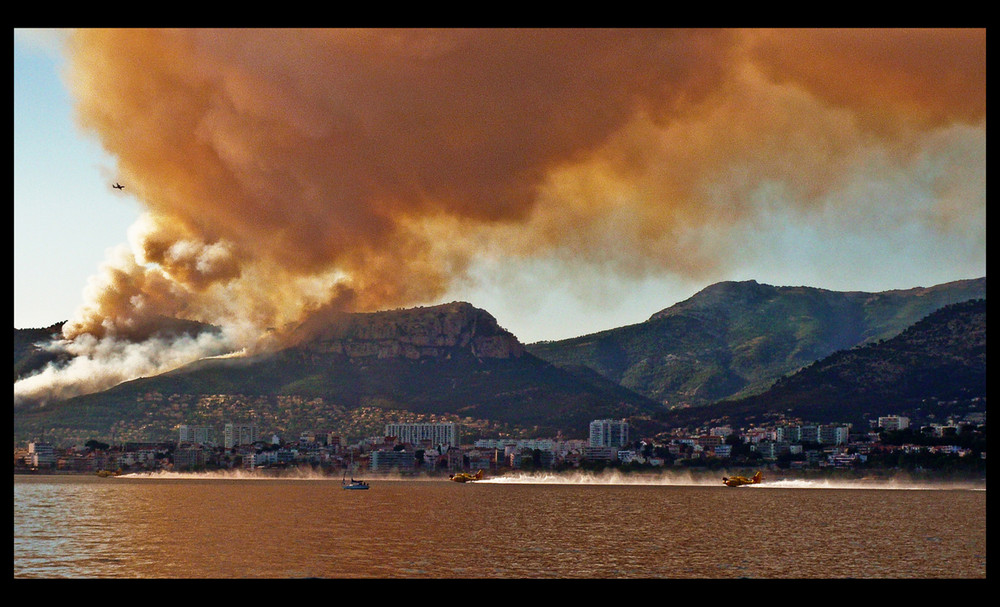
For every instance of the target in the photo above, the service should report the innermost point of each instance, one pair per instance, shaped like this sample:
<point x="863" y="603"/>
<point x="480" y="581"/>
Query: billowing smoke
<point x="289" y="173"/>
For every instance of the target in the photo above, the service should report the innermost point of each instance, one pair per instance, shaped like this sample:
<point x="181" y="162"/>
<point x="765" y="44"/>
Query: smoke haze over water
<point x="289" y="173"/>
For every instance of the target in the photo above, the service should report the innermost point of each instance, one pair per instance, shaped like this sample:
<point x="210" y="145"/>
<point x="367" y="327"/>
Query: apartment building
<point x="894" y="422"/>
<point x="198" y="435"/>
<point x="438" y="434"/>
<point x="239" y="434"/>
<point x="41" y="455"/>
<point x="608" y="433"/>
<point x="385" y="461"/>
<point x="824" y="434"/>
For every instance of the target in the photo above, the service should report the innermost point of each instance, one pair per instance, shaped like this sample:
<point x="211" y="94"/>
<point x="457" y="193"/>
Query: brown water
<point x="234" y="527"/>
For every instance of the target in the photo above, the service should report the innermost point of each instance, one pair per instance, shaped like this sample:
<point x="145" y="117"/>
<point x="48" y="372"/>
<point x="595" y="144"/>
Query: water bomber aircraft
<point x="118" y="186"/>
<point x="739" y="481"/>
<point x="463" y="477"/>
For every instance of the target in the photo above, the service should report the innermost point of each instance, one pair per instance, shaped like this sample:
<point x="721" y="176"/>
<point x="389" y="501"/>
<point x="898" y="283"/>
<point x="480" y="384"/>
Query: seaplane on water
<point x="118" y="186"/>
<point x="739" y="481"/>
<point x="463" y="477"/>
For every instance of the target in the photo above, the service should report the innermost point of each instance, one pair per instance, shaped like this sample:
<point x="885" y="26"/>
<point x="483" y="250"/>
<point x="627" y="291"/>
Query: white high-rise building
<point x="41" y="455"/>
<point x="438" y="434"/>
<point x="240" y="434"/>
<point x="894" y="422"/>
<point x="199" y="435"/>
<point x="608" y="433"/>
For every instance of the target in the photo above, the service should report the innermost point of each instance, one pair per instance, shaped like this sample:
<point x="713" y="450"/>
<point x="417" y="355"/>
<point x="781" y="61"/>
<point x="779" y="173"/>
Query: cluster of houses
<point x="409" y="448"/>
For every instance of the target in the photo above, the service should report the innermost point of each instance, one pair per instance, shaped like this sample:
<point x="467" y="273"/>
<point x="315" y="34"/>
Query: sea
<point x="516" y="526"/>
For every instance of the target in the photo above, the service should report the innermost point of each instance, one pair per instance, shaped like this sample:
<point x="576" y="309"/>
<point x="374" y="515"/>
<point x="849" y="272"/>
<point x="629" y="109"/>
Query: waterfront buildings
<point x="191" y="457"/>
<point x="384" y="461"/>
<point x="791" y="443"/>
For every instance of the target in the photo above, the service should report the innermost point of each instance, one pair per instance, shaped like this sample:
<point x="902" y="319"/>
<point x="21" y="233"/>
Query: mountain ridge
<point x="451" y="359"/>
<point x="736" y="338"/>
<point x="455" y="360"/>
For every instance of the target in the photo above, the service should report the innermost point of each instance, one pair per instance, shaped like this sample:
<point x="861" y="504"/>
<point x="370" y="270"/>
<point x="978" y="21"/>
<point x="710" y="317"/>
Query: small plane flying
<point x="118" y="186"/>
<point x="462" y="477"/>
<point x="737" y="481"/>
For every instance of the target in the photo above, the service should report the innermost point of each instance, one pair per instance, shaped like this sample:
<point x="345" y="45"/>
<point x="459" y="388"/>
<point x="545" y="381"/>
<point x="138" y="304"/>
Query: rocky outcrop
<point x="434" y="332"/>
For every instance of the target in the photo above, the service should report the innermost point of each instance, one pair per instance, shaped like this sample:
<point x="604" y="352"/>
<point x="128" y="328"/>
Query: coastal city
<point x="955" y="445"/>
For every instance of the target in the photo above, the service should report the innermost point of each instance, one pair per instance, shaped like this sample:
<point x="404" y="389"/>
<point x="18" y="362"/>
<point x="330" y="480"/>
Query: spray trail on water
<point x="589" y="479"/>
<point x="701" y="479"/>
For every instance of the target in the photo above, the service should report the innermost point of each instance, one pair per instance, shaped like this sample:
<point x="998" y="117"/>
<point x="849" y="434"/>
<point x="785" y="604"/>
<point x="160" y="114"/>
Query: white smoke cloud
<point x="99" y="364"/>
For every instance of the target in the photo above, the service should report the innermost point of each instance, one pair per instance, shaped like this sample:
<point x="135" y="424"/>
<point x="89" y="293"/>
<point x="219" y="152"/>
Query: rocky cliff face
<point x="427" y="332"/>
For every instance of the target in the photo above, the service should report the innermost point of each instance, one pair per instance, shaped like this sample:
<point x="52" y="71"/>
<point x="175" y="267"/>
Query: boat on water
<point x="353" y="484"/>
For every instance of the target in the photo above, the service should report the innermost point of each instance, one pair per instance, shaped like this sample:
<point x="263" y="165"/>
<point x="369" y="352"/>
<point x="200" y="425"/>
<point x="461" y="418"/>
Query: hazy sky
<point x="566" y="182"/>
<point x="65" y="215"/>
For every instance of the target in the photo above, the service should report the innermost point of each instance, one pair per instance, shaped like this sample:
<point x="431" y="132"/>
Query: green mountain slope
<point x="736" y="339"/>
<point x="933" y="366"/>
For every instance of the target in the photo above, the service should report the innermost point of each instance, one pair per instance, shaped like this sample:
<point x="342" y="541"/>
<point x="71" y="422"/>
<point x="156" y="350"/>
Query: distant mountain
<point x="736" y="339"/>
<point x="443" y="360"/>
<point x="935" y="365"/>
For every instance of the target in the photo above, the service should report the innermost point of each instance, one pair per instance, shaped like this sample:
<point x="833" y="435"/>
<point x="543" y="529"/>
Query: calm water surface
<point x="222" y="527"/>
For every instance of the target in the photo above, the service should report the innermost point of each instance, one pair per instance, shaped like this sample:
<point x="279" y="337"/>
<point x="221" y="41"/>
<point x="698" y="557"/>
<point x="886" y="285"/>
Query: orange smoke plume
<point x="285" y="171"/>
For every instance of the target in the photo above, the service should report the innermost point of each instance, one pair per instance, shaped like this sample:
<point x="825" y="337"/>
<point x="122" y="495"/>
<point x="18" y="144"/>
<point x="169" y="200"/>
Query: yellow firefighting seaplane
<point x="738" y="481"/>
<point x="463" y="477"/>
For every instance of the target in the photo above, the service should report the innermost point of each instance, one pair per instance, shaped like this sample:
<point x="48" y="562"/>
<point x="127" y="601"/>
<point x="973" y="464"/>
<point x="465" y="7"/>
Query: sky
<point x="566" y="181"/>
